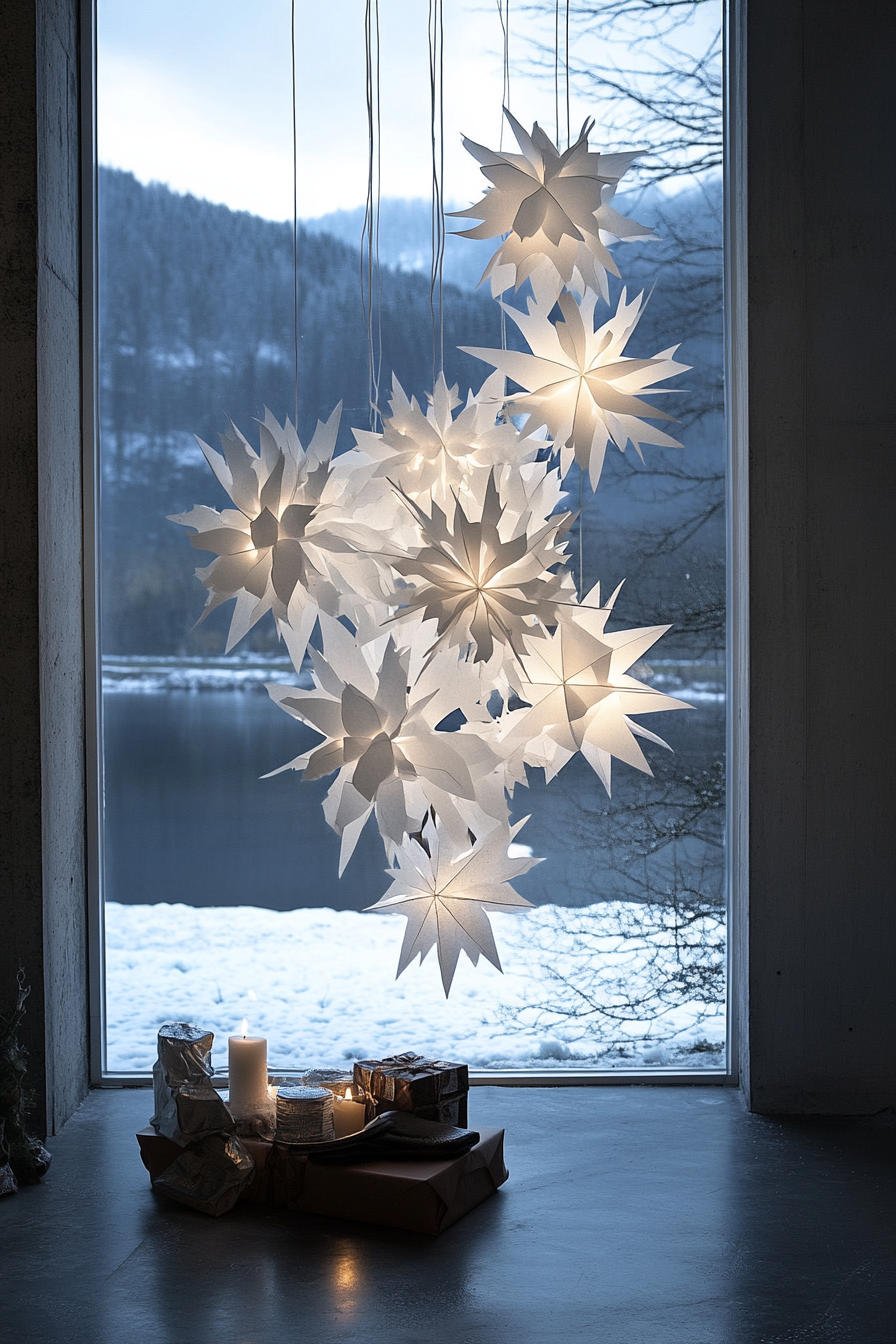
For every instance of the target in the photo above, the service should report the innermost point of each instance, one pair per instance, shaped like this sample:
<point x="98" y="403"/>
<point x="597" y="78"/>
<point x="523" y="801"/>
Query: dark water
<point x="187" y="818"/>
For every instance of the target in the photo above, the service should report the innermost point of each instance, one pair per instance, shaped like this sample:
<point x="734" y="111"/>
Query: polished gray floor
<point x="632" y="1216"/>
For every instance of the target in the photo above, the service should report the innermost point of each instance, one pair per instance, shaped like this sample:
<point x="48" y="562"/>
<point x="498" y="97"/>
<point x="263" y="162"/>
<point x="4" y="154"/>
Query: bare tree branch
<point x="668" y="97"/>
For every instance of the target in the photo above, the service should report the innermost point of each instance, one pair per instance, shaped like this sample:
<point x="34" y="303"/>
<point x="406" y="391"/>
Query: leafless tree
<point x="612" y="978"/>
<point x="658" y="77"/>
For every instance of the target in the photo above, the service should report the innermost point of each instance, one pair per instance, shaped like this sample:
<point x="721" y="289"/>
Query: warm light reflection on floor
<point x="346" y="1279"/>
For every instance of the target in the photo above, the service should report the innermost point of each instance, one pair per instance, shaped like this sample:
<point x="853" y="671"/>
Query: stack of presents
<point x="412" y="1163"/>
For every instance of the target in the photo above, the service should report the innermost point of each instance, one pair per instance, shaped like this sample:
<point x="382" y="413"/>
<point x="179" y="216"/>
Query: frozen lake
<point x="223" y="902"/>
<point x="189" y="820"/>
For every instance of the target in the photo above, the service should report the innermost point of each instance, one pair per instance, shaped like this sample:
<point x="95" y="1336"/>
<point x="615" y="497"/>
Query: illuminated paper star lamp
<point x="580" y="695"/>
<point x="555" y="210"/>
<point x="274" y="550"/>
<point x="482" y="587"/>
<point x="580" y="385"/>
<point x="445" y="893"/>
<point x="435" y="455"/>
<point x="379" y="738"/>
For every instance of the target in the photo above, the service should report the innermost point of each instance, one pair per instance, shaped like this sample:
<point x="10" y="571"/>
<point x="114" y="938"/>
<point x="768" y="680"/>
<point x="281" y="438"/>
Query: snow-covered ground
<point x="319" y="984"/>
<point x="151" y="674"/>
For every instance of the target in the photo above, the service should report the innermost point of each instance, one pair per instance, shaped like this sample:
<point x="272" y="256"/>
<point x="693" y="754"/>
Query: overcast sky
<point x="197" y="94"/>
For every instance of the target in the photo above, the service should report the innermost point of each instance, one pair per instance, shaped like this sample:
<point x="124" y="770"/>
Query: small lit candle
<point x="348" y="1114"/>
<point x="248" y="1067"/>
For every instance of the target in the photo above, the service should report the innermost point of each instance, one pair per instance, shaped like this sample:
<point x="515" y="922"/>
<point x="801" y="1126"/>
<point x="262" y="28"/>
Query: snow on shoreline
<point x="696" y="682"/>
<point x="319" y="984"/>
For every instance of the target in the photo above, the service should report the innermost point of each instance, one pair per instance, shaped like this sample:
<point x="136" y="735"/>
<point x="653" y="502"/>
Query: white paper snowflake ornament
<point x="436" y="455"/>
<point x="275" y="550"/>
<point x="580" y="695"/>
<point x="485" y="580"/>
<point x="580" y="385"/>
<point x="555" y="210"/>
<point x="380" y="737"/>
<point x="444" y="893"/>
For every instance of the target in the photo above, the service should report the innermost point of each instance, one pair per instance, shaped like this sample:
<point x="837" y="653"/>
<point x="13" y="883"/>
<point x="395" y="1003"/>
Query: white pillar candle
<point x="247" y="1058"/>
<point x="348" y="1114"/>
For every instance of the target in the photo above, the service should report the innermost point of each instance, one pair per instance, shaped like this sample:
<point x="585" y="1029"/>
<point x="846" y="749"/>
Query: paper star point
<point x="445" y="893"/>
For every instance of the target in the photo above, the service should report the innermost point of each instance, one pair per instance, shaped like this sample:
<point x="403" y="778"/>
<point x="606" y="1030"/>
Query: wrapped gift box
<point x="418" y="1196"/>
<point x="430" y="1088"/>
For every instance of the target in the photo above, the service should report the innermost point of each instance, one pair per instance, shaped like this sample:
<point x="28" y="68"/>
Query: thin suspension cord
<point x="581" y="525"/>
<point x="503" y="7"/>
<point x="295" y="216"/>
<point x="568" y="134"/>
<point x="437" y="136"/>
<point x="557" y="69"/>
<point x="504" y="16"/>
<point x="371" y="289"/>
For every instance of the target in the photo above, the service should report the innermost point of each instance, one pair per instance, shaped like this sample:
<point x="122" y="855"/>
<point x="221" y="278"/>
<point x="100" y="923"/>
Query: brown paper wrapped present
<point x="424" y="1196"/>
<point x="432" y="1089"/>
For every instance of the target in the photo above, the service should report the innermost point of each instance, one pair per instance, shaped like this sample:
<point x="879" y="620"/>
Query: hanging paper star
<point x="580" y="696"/>
<point x="445" y="893"/>
<point x="481" y="589"/>
<point x="580" y="385"/>
<point x="433" y="456"/>
<point x="275" y="549"/>
<point x="381" y="739"/>
<point x="555" y="209"/>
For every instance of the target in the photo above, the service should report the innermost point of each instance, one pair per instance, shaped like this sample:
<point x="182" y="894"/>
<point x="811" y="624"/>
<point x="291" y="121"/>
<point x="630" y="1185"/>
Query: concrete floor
<point x="632" y="1216"/>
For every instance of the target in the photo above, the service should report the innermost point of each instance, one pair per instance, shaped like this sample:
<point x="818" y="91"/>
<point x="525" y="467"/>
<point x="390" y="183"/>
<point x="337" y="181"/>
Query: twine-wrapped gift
<point x="432" y="1089"/>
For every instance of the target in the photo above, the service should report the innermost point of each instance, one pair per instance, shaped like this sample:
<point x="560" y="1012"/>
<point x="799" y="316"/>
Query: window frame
<point x="737" y="632"/>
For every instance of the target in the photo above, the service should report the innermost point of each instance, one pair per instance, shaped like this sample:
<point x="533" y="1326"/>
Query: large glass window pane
<point x="222" y="894"/>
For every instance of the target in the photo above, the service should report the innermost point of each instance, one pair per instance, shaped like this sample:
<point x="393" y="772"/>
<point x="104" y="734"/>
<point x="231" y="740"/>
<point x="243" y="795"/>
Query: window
<point x="222" y="899"/>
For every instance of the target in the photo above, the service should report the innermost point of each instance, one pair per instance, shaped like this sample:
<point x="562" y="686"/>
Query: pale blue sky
<point x="196" y="93"/>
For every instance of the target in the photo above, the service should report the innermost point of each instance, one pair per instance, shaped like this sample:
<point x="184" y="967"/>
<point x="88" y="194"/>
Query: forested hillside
<point x="196" y="323"/>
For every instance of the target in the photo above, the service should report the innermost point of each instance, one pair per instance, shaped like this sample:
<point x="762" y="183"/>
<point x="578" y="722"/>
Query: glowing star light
<point x="275" y="550"/>
<point x="430" y="456"/>
<point x="485" y="585"/>
<point x="580" y="385"/>
<point x="580" y="695"/>
<point x="555" y="209"/>
<point x="380" y="738"/>
<point x="444" y="895"/>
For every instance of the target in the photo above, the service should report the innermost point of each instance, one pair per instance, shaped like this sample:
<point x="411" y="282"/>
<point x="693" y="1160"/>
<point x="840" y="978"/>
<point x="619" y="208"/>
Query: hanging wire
<point x="567" y="80"/>
<point x="581" y="522"/>
<point x="371" y="287"/>
<point x="557" y="69"/>
<point x="295" y="216"/>
<point x="436" y="26"/>
<point x="504" y="17"/>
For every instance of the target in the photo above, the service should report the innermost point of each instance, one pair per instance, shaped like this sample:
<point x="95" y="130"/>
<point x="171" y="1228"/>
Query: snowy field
<point x="319" y="984"/>
<point x="696" y="682"/>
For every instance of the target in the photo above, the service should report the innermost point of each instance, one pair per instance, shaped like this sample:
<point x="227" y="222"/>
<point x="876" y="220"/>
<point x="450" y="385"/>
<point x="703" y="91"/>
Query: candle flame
<point x="244" y="1028"/>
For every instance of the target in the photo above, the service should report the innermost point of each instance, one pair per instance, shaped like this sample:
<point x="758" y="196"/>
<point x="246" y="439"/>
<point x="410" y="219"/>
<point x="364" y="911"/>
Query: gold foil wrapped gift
<point x="432" y="1089"/>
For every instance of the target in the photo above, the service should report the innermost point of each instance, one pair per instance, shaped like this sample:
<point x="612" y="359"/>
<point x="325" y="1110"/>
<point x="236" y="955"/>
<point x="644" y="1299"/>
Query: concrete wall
<point x="42" y="839"/>
<point x="821" y="1017"/>
<point x="817" y="989"/>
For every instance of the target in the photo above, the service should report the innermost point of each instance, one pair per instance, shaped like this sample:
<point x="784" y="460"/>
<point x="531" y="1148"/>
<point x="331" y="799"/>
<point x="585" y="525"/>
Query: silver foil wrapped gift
<point x="336" y="1081"/>
<point x="187" y="1105"/>
<point x="304" y="1115"/>
<point x="210" y="1174"/>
